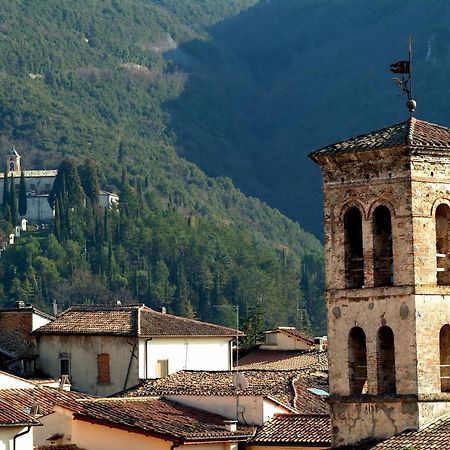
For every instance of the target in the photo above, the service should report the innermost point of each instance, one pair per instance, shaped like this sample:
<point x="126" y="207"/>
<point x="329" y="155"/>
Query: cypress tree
<point x="67" y="182"/>
<point x="13" y="203"/>
<point x="89" y="181"/>
<point x="23" y="207"/>
<point x="5" y="201"/>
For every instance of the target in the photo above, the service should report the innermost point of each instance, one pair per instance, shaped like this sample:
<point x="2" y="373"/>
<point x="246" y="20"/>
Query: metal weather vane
<point x="404" y="82"/>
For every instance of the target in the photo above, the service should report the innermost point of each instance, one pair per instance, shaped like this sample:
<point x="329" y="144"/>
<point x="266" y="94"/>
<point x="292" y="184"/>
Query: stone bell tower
<point x="387" y="254"/>
<point x="13" y="162"/>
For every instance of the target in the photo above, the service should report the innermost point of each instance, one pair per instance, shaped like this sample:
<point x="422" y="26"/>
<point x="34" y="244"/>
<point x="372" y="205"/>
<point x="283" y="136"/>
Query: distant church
<point x="39" y="184"/>
<point x="387" y="253"/>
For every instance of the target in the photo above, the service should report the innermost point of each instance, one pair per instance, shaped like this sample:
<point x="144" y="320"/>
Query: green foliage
<point x="97" y="86"/>
<point x="23" y="206"/>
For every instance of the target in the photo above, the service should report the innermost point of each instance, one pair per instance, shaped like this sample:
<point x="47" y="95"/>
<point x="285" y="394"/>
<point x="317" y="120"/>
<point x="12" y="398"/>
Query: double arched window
<point x="383" y="267"/>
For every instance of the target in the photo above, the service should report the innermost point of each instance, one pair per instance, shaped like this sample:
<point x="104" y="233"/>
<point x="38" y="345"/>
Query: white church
<point x="39" y="183"/>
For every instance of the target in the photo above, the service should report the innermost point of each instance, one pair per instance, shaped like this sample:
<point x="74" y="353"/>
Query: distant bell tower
<point x="13" y="162"/>
<point x="387" y="254"/>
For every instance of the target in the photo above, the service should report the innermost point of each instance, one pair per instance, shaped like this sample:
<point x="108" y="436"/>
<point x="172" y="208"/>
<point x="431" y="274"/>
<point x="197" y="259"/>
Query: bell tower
<point x="13" y="162"/>
<point x="387" y="255"/>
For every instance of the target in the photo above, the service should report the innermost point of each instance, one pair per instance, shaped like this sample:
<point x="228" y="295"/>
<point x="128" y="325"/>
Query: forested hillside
<point x="88" y="79"/>
<point x="285" y="77"/>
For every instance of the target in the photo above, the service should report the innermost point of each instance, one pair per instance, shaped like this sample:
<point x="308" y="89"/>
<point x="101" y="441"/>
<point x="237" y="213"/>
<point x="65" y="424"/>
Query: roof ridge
<point x="409" y="137"/>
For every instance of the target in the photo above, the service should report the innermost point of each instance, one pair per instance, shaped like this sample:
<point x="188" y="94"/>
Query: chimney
<point x="230" y="425"/>
<point x="164" y="310"/>
<point x="20" y="304"/>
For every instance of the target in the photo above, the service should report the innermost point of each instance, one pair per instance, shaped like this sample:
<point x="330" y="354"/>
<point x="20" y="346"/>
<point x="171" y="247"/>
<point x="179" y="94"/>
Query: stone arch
<point x="383" y="261"/>
<point x="444" y="357"/>
<point x="353" y="248"/>
<point x="357" y="361"/>
<point x="442" y="225"/>
<point x="380" y="202"/>
<point x="386" y="376"/>
<point x="352" y="204"/>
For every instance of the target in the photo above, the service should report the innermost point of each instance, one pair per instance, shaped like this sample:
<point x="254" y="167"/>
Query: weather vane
<point x="404" y="82"/>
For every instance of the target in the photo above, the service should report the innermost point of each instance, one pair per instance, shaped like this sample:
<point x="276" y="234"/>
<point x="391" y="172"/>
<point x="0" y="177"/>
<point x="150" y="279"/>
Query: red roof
<point x="161" y="418"/>
<point x="129" y="320"/>
<point x="10" y="415"/>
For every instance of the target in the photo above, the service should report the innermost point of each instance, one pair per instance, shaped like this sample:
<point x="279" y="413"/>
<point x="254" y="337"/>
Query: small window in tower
<point x="103" y="369"/>
<point x="442" y="244"/>
<point x="386" y="361"/>
<point x="357" y="361"/>
<point x="444" y="350"/>
<point x="353" y="244"/>
<point x="382" y="247"/>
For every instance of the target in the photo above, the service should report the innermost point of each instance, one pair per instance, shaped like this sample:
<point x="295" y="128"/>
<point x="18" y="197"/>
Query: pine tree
<point x="13" y="203"/>
<point x="23" y="207"/>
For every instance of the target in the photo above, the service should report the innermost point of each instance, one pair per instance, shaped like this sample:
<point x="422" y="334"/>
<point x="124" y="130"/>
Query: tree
<point x="67" y="184"/>
<point x="23" y="207"/>
<point x="89" y="181"/>
<point x="13" y="203"/>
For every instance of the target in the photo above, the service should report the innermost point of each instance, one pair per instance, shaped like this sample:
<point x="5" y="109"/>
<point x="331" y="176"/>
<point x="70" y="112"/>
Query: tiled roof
<point x="129" y="320"/>
<point x="307" y="400"/>
<point x="413" y="133"/>
<point x="10" y="415"/>
<point x="285" y="360"/>
<point x="45" y="397"/>
<point x="161" y="418"/>
<point x="293" y="332"/>
<point x="35" y="173"/>
<point x="59" y="447"/>
<point x="435" y="435"/>
<point x="289" y="388"/>
<point x="295" y="429"/>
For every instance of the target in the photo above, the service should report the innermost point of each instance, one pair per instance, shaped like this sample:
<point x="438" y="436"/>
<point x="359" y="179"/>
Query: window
<point x="357" y="361"/>
<point x="444" y="350"/>
<point x="162" y="368"/>
<point x="64" y="366"/>
<point x="353" y="244"/>
<point x="382" y="247"/>
<point x="103" y="369"/>
<point x="442" y="244"/>
<point x="386" y="361"/>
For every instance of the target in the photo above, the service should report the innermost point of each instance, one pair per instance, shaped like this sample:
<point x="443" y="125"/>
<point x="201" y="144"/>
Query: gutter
<point x="22" y="433"/>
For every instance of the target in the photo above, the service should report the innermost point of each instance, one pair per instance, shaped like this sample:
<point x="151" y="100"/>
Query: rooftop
<point x="295" y="429"/>
<point x="10" y="415"/>
<point x="34" y="173"/>
<point x="285" y="360"/>
<point x="436" y="435"/>
<point x="161" y="418"/>
<point x="413" y="133"/>
<point x="293" y="332"/>
<point x="129" y="320"/>
<point x="288" y="388"/>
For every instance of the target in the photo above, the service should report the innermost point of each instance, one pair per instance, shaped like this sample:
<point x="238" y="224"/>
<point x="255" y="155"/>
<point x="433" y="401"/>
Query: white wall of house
<point x="99" y="437"/>
<point x="24" y="442"/>
<point x="38" y="321"/>
<point x="82" y="352"/>
<point x="256" y="409"/>
<point x="281" y="341"/>
<point x="189" y="353"/>
<point x="8" y="381"/>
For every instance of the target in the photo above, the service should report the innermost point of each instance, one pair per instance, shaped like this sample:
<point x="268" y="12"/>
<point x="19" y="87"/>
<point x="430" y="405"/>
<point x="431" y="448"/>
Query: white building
<point x="106" y="349"/>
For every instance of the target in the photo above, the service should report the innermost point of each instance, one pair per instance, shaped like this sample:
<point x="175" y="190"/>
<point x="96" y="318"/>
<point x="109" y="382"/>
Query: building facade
<point x="387" y="253"/>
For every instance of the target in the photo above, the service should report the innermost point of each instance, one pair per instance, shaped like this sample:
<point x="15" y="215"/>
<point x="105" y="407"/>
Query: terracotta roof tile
<point x="161" y="417"/>
<point x="413" y="133"/>
<point x="295" y="429"/>
<point x="285" y="360"/>
<point x="128" y="320"/>
<point x="289" y="388"/>
<point x="11" y="415"/>
<point x="435" y="435"/>
<point x="45" y="397"/>
<point x="59" y="447"/>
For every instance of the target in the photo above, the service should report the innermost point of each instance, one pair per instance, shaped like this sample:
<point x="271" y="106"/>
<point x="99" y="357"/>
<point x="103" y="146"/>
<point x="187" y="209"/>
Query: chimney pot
<point x="230" y="425"/>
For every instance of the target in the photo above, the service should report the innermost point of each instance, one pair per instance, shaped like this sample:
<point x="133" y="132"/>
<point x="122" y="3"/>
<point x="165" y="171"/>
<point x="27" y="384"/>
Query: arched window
<point x="353" y="244"/>
<point x="357" y="361"/>
<point x="386" y="361"/>
<point x="382" y="247"/>
<point x="442" y="244"/>
<point x="444" y="350"/>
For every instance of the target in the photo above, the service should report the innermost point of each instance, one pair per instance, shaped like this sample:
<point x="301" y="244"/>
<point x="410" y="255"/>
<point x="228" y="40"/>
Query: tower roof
<point x="13" y="152"/>
<point x="413" y="133"/>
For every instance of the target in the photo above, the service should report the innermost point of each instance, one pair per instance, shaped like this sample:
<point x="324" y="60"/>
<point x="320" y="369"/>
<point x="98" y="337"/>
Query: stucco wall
<point x="38" y="321"/>
<point x="38" y="209"/>
<point x="60" y="421"/>
<point x="24" y="442"/>
<point x="99" y="437"/>
<point x="193" y="353"/>
<point x="281" y="341"/>
<point x="83" y="352"/>
<point x="8" y="381"/>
